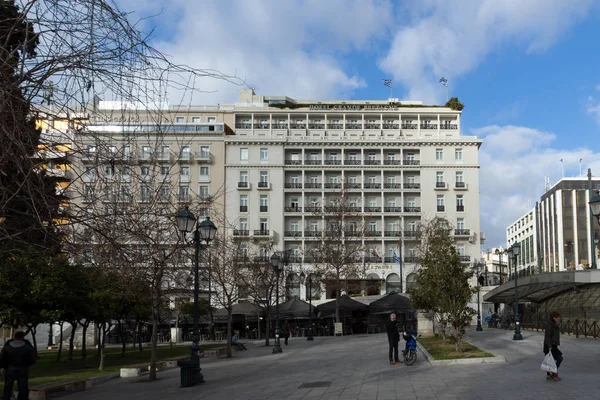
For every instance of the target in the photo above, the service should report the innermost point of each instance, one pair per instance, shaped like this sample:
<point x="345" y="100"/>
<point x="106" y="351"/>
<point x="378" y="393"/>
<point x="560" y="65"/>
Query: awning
<point x="239" y="309"/>
<point x="537" y="288"/>
<point x="391" y="302"/>
<point x="345" y="304"/>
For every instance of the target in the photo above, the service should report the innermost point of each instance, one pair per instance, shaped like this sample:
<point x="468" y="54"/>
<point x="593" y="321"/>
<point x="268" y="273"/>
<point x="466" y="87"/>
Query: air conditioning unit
<point x="472" y="238"/>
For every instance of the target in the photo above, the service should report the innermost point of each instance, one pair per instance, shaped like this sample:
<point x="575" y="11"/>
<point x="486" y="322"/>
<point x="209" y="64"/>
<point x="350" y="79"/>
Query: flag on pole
<point x="444" y="81"/>
<point x="396" y="258"/>
<point x="374" y="253"/>
<point x="387" y="82"/>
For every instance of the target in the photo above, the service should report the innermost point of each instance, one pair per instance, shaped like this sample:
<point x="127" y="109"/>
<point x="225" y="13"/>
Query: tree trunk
<point x="229" y="323"/>
<point x="337" y="305"/>
<point x="60" y="342"/>
<point x="71" y="341"/>
<point x="135" y="334"/>
<point x="140" y="337"/>
<point x="122" y="336"/>
<point x="268" y="329"/>
<point x="101" y="336"/>
<point x="152" y="376"/>
<point x="32" y="330"/>
<point x="84" y="328"/>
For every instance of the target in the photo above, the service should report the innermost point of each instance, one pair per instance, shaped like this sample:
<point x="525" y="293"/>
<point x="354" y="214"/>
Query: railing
<point x="353" y="126"/>
<point x="242" y="184"/>
<point x="261" y="233"/>
<point x="388" y="259"/>
<point x="335" y="126"/>
<point x="333" y="186"/>
<point x="263" y="184"/>
<point x="412" y="162"/>
<point x="373" y="233"/>
<point x="293" y="234"/>
<point x="290" y="185"/>
<point x="460" y="208"/>
<point x="312" y="185"/>
<point x="372" y="126"/>
<point x="465" y="258"/>
<point x="392" y="186"/>
<point x="293" y="162"/>
<point x="353" y="209"/>
<point x="372" y="209"/>
<point x="243" y="208"/>
<point x="298" y="126"/>
<point x="279" y="126"/>
<point x="428" y="126"/>
<point x="312" y="162"/>
<point x="316" y="126"/>
<point x="392" y="209"/>
<point x="570" y="327"/>
<point x="412" y="209"/>
<point x="333" y="162"/>
<point x="372" y="185"/>
<point x="292" y="209"/>
<point x="392" y="233"/>
<point x="440" y="184"/>
<point x="243" y="126"/>
<point x="372" y="162"/>
<point x="261" y="126"/>
<point x="448" y="126"/>
<point x="352" y="185"/>
<point x="409" y="126"/>
<point x="392" y="162"/>
<point x="373" y="259"/>
<point x="412" y="186"/>
<point x="264" y="208"/>
<point x="460" y="184"/>
<point x="312" y="209"/>
<point x="391" y="126"/>
<point x="441" y="208"/>
<point x="411" y="259"/>
<point x="352" y="162"/>
<point x="411" y="234"/>
<point x="462" y="232"/>
<point x="313" y="233"/>
<point x="241" y="232"/>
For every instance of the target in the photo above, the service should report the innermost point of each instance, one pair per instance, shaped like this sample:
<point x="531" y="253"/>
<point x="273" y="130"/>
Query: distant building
<point x="524" y="232"/>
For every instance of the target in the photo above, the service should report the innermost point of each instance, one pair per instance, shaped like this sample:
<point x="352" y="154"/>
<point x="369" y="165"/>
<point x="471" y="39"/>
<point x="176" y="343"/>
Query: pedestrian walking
<point x="551" y="343"/>
<point x="393" y="335"/>
<point x="285" y="332"/>
<point x="15" y="359"/>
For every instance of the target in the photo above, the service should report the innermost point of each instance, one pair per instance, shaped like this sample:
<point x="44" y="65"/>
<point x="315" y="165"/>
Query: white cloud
<point x="451" y="38"/>
<point x="593" y="108"/>
<point x="514" y="162"/>
<point x="598" y="88"/>
<point x="291" y="47"/>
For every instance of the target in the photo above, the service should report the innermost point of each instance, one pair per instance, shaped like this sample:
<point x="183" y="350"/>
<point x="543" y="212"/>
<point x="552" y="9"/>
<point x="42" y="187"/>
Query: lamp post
<point x="500" y="253"/>
<point x="276" y="263"/>
<point x="513" y="252"/>
<point x="309" y="281"/>
<point x="595" y="211"/>
<point x="479" y="284"/>
<point x="205" y="231"/>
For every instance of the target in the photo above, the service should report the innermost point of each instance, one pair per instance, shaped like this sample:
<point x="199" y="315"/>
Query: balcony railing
<point x="388" y="259"/>
<point x="298" y="126"/>
<point x="465" y="258"/>
<point x="392" y="162"/>
<point x="293" y="162"/>
<point x="243" y="208"/>
<point x="392" y="233"/>
<point x="440" y="185"/>
<point x="411" y="162"/>
<point x="313" y="162"/>
<point x="261" y="126"/>
<point x="411" y="259"/>
<point x="412" y="185"/>
<point x="335" y="126"/>
<point x="462" y="232"/>
<point x="311" y="185"/>
<point x="333" y="162"/>
<point x="263" y="184"/>
<point x="292" y="209"/>
<point x="292" y="185"/>
<point x="316" y="126"/>
<point x="311" y="233"/>
<point x="372" y="185"/>
<point x="372" y="126"/>
<point x="293" y="234"/>
<point x="392" y="186"/>
<point x="264" y="208"/>
<point x="351" y="233"/>
<point x="391" y="126"/>
<point x="262" y="259"/>
<point x="280" y="126"/>
<point x="460" y="208"/>
<point x="412" y="209"/>
<point x="411" y="233"/>
<point x="373" y="233"/>
<point x="354" y="209"/>
<point x="374" y="259"/>
<point x="448" y="126"/>
<point x="372" y="162"/>
<point x="352" y="185"/>
<point x="261" y="233"/>
<point x="352" y="162"/>
<point x="241" y="232"/>
<point x="243" y="184"/>
<point x="372" y="209"/>
<point x="312" y="209"/>
<point x="441" y="208"/>
<point x="392" y="209"/>
<point x="409" y="126"/>
<point x="353" y="126"/>
<point x="333" y="186"/>
<point x="428" y="126"/>
<point x="243" y="126"/>
<point x="460" y="185"/>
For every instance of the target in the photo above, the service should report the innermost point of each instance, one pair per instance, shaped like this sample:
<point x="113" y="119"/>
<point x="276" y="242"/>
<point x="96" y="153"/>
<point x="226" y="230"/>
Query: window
<point x="295" y="157"/>
<point x="184" y="193"/>
<point x="460" y="223"/>
<point x="109" y="171"/>
<point x="294" y="227"/>
<point x="410" y="156"/>
<point x="203" y="192"/>
<point x="314" y="226"/>
<point x="333" y="179"/>
<point x="314" y="156"/>
<point x="184" y="153"/>
<point x="352" y="157"/>
<point x="211" y="120"/>
<point x="204" y="152"/>
<point x="184" y="174"/>
<point x="244" y="154"/>
<point x="391" y="179"/>
<point x="459" y="177"/>
<point x="126" y="172"/>
<point x="439" y="154"/>
<point x="372" y="226"/>
<point x="352" y="179"/>
<point x="439" y="177"/>
<point x="372" y="203"/>
<point x="145" y="171"/>
<point x="144" y="193"/>
<point x="412" y="226"/>
<point x="411" y="202"/>
<point x="372" y="179"/>
<point x="264" y="203"/>
<point x="393" y="226"/>
<point x="264" y="224"/>
<point x="204" y="174"/>
<point x="165" y="193"/>
<point x="391" y="203"/>
<point x="165" y="151"/>
<point x="244" y="224"/>
<point x="459" y="200"/>
<point x="195" y="120"/>
<point x="294" y="202"/>
<point x="314" y="202"/>
<point x="90" y="173"/>
<point x="244" y="203"/>
<point x="410" y="179"/>
<point x="264" y="176"/>
<point x="440" y="203"/>
<point x="458" y="154"/>
<point x="371" y="156"/>
<point x="314" y="179"/>
<point x="244" y="176"/>
<point x="294" y="180"/>
<point x="90" y="150"/>
<point x="333" y="156"/>
<point x="146" y="152"/>
<point x="391" y="156"/>
<point x="179" y="120"/>
<point x="264" y="154"/>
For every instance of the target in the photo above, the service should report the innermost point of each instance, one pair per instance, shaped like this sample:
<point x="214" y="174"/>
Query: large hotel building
<point x="271" y="162"/>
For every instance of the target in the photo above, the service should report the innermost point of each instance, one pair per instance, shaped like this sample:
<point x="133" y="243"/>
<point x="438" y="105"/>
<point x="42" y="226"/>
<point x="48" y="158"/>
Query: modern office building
<point x="568" y="235"/>
<point x="524" y="231"/>
<point x="400" y="163"/>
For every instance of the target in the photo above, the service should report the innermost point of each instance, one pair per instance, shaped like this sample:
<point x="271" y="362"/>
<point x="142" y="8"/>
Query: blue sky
<point x="528" y="71"/>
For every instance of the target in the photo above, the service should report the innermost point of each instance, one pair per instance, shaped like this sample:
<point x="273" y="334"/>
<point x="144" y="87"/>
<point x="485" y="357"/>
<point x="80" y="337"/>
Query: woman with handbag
<point x="551" y="343"/>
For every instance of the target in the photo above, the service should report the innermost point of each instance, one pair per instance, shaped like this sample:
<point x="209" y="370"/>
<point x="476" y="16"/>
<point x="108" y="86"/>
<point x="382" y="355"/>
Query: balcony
<point x="411" y="259"/>
<point x="391" y="126"/>
<point x="264" y="208"/>
<point x="243" y="208"/>
<point x="261" y="126"/>
<point x="353" y="209"/>
<point x="392" y="186"/>
<point x="312" y="209"/>
<point x="392" y="233"/>
<point x="373" y="233"/>
<point x="372" y="185"/>
<point x="411" y="162"/>
<point x="460" y="208"/>
<point x="292" y="185"/>
<point x="243" y="185"/>
<point x="441" y="208"/>
<point x="262" y="233"/>
<point x="312" y="185"/>
<point x="298" y="126"/>
<point x="465" y="258"/>
<point x="373" y="259"/>
<point x="279" y="126"/>
<point x="372" y="162"/>
<point x="462" y="232"/>
<point x="205" y="198"/>
<point x="372" y="126"/>
<point x="449" y="126"/>
<point x="349" y="233"/>
<point x="411" y="234"/>
<point x="392" y="162"/>
<point x="352" y="162"/>
<point x="411" y="209"/>
<point x="392" y="209"/>
<point x="335" y="126"/>
<point x="372" y="209"/>
<point x="352" y="185"/>
<point x="388" y="259"/>
<point x="293" y="209"/>
<point x="293" y="162"/>
<point x="185" y="157"/>
<point x="460" y="186"/>
<point x="316" y="126"/>
<point x="333" y="186"/>
<point x="429" y="126"/>
<point x="441" y="186"/>
<point x="241" y="232"/>
<point x="313" y="234"/>
<point x="243" y="126"/>
<point x="409" y="126"/>
<point x="333" y="162"/>
<point x="202" y="157"/>
<point x="312" y="162"/>
<point x="163" y="157"/>
<point x="353" y="126"/>
<point x="264" y="185"/>
<point x="294" y="234"/>
<point x="412" y="185"/>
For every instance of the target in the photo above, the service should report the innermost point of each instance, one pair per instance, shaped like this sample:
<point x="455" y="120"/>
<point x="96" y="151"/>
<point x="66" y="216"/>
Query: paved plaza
<point x="356" y="367"/>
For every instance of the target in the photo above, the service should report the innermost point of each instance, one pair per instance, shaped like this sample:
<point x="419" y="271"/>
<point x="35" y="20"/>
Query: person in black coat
<point x="551" y="343"/>
<point x="393" y="335"/>
<point x="15" y="359"/>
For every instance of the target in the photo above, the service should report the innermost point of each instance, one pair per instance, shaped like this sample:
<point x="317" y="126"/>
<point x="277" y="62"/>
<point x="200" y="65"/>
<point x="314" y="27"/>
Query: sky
<point x="528" y="72"/>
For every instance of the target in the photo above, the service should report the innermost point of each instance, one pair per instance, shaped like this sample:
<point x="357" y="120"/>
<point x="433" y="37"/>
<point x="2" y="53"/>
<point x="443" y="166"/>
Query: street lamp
<point x="479" y="284"/>
<point x="513" y="252"/>
<point x="500" y="253"/>
<point x="205" y="231"/>
<point x="309" y="281"/>
<point x="277" y="266"/>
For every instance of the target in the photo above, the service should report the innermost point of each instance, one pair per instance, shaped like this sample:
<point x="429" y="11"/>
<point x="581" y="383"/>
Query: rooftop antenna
<point x="562" y="167"/>
<point x="580" y="170"/>
<point x="547" y="183"/>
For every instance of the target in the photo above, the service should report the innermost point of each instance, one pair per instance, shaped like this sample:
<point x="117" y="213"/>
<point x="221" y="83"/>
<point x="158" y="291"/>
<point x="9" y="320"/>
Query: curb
<point x="461" y="361"/>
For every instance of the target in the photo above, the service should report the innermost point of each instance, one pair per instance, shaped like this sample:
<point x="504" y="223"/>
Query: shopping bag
<point x="549" y="365"/>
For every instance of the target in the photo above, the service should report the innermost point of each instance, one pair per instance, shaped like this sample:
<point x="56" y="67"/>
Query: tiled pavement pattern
<point x="356" y="367"/>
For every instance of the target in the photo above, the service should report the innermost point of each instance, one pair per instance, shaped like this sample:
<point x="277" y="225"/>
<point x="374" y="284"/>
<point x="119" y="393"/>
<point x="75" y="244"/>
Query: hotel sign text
<point x="352" y="107"/>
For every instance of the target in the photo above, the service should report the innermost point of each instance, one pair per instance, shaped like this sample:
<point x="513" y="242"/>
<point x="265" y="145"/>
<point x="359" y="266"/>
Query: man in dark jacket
<point x="15" y="359"/>
<point x="551" y="343"/>
<point x="393" y="335"/>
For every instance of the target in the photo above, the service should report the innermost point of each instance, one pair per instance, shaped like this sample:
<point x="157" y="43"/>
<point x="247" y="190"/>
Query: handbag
<point x="549" y="365"/>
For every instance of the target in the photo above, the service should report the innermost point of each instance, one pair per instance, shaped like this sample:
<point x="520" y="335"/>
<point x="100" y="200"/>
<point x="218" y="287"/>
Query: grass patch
<point x="47" y="370"/>
<point x="444" y="350"/>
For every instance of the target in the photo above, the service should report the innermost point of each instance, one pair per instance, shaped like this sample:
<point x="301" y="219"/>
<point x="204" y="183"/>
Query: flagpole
<point x="446" y="92"/>
<point x="401" y="279"/>
<point x="391" y="84"/>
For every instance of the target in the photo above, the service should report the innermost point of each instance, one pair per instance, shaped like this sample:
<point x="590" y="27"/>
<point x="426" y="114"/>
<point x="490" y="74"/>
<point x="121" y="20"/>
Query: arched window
<point x="392" y="283"/>
<point x="411" y="281"/>
<point x="373" y="284"/>
<point x="292" y="286"/>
